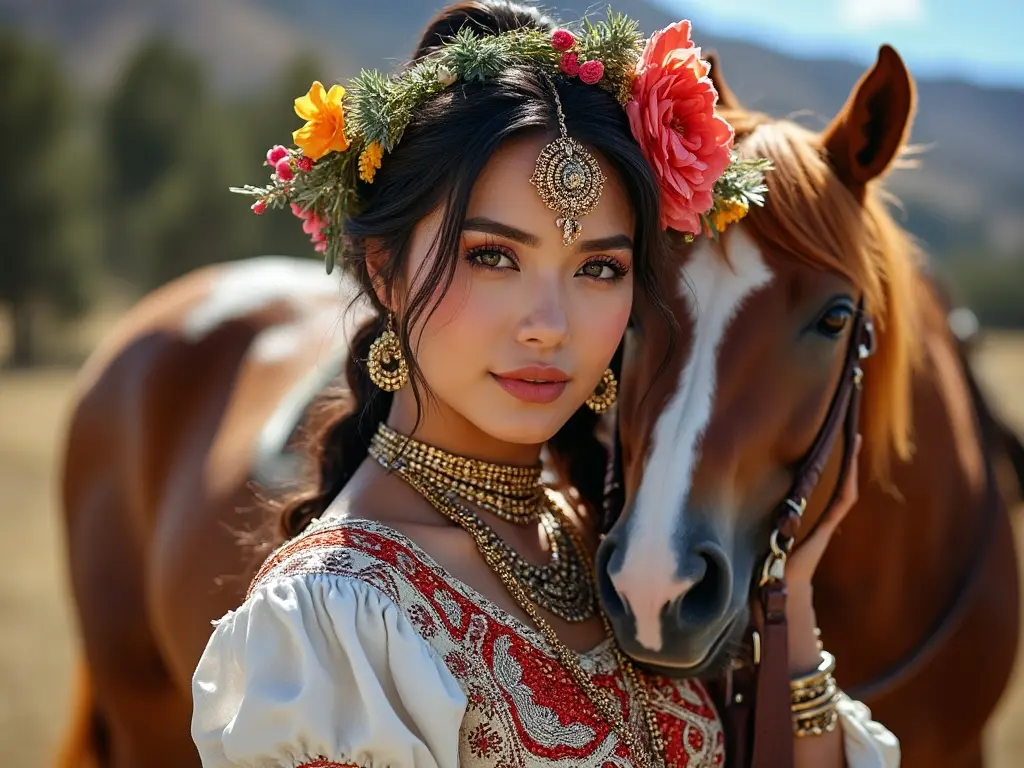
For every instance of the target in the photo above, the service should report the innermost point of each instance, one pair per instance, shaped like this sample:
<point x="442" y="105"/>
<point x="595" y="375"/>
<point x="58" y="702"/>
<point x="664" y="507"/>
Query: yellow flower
<point x="729" y="212"/>
<point x="369" y="161"/>
<point x="324" y="130"/>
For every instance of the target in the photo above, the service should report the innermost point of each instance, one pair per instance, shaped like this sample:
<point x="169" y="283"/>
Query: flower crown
<point x="662" y="83"/>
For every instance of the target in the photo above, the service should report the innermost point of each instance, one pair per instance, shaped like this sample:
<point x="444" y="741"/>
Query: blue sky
<point x="935" y="37"/>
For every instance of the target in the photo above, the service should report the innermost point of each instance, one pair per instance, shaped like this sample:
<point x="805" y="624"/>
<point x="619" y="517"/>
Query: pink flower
<point x="562" y="40"/>
<point x="259" y="207"/>
<point x="591" y="71"/>
<point x="284" y="171"/>
<point x="305" y="164"/>
<point x="672" y="115"/>
<point x="313" y="226"/>
<point x="570" y="64"/>
<point x="276" y="154"/>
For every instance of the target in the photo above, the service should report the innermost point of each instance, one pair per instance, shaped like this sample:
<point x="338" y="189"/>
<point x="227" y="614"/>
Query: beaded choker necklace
<point x="512" y="493"/>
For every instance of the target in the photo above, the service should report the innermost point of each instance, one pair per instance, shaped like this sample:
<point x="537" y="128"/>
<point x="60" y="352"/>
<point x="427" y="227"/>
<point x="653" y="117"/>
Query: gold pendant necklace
<point x="650" y="755"/>
<point x="561" y="586"/>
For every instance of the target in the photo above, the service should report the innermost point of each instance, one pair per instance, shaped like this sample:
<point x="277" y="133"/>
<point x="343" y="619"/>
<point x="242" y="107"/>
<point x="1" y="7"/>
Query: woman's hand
<point x="800" y="568"/>
<point x="803" y="562"/>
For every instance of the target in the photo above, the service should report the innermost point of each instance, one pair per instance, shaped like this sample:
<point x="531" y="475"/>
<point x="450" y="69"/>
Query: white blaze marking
<point x="647" y="579"/>
<point x="246" y="286"/>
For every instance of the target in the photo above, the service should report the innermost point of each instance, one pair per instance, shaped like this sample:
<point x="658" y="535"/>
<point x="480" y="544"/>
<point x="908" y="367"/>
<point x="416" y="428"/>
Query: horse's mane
<point x="857" y="238"/>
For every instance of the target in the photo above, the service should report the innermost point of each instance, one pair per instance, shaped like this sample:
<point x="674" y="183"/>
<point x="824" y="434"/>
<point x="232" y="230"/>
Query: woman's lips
<point x="533" y="384"/>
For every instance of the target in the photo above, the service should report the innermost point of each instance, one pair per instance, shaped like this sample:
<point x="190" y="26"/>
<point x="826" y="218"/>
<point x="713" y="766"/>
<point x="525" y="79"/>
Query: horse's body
<point x="168" y="430"/>
<point x="164" y="441"/>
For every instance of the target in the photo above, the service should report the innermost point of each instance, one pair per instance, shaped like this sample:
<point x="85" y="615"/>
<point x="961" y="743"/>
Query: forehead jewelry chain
<point x="568" y="178"/>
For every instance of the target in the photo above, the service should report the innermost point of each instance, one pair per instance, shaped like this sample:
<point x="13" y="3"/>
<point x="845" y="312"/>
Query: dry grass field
<point x="36" y="634"/>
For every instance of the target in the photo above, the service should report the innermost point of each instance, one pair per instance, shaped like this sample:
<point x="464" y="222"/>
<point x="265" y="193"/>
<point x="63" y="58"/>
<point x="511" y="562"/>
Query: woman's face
<point x="529" y="325"/>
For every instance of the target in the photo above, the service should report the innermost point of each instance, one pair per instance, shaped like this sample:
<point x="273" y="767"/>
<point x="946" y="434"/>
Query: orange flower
<point x="728" y="212"/>
<point x="324" y="130"/>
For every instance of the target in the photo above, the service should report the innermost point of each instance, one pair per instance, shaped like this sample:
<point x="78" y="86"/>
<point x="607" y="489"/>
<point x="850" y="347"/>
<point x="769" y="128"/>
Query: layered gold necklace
<point x="444" y="480"/>
<point x="561" y="585"/>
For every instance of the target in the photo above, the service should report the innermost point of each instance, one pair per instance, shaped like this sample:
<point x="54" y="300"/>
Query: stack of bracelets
<point x="813" y="699"/>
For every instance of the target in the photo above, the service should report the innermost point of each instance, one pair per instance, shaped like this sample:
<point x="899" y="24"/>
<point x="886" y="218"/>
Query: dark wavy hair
<point x="437" y="162"/>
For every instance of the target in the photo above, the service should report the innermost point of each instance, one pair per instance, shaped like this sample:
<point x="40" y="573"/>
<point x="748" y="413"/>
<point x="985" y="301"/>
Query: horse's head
<point x="709" y="448"/>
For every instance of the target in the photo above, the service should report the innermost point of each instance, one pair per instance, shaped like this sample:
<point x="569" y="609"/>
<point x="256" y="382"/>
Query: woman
<point x="434" y="604"/>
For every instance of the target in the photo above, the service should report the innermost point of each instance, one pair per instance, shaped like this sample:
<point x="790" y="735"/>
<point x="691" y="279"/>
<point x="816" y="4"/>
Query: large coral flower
<point x="672" y="115"/>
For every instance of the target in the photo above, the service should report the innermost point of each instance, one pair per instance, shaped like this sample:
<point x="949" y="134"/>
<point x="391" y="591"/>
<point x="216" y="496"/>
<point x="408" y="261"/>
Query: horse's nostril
<point x="710" y="595"/>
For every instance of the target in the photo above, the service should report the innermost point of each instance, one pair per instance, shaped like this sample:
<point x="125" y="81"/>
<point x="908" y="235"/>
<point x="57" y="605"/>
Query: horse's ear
<point x="726" y="98"/>
<point x="870" y="130"/>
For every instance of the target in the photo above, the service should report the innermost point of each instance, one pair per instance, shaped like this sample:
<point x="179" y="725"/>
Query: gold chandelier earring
<point x="605" y="393"/>
<point x="386" y="363"/>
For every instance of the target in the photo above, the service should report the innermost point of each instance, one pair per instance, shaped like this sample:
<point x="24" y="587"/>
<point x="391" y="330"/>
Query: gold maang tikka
<point x="568" y="178"/>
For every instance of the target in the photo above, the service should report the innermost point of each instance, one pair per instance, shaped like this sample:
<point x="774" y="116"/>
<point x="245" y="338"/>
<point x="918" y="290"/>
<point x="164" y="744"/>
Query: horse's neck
<point x="276" y="462"/>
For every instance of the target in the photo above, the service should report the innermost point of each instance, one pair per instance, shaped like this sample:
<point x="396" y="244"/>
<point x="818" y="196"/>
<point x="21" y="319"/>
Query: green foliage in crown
<point x="379" y="107"/>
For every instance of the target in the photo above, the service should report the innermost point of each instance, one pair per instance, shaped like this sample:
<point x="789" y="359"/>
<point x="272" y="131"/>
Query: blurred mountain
<point x="968" y="192"/>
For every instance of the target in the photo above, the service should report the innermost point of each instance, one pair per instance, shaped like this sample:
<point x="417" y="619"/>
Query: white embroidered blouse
<point x="355" y="649"/>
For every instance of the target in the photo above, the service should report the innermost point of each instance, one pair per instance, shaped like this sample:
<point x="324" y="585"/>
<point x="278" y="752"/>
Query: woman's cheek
<point x="605" y="321"/>
<point x="446" y="308"/>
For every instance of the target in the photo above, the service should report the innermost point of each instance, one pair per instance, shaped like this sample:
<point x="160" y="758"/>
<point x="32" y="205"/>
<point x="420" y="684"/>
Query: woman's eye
<point x="492" y="258"/>
<point x="834" y="321"/>
<point x="601" y="270"/>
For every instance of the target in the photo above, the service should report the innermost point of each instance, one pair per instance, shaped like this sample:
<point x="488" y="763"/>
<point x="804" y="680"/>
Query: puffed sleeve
<point x="868" y="744"/>
<point x="323" y="670"/>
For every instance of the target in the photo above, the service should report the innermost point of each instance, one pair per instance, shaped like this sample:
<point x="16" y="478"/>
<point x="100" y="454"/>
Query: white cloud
<point x="866" y="14"/>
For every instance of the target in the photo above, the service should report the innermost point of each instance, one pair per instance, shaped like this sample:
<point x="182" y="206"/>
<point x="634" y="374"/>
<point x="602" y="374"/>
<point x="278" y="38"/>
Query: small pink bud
<point x="259" y="207"/>
<point x="284" y="171"/>
<point x="562" y="40"/>
<point x="570" y="64"/>
<point x="591" y="72"/>
<point x="306" y="164"/>
<point x="276" y="154"/>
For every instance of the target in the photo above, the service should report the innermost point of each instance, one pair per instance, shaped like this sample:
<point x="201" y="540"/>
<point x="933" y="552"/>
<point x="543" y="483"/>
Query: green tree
<point x="148" y="131"/>
<point x="992" y="286"/>
<point x="270" y="119"/>
<point x="47" y="179"/>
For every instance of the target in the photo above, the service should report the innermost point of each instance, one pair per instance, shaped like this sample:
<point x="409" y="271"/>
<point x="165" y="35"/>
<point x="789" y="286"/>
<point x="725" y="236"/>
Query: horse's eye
<point x="834" y="321"/>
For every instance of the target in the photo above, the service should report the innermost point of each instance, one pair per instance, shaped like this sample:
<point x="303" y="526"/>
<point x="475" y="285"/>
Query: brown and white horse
<point x="918" y="593"/>
<point x="191" y="398"/>
<point x="196" y="392"/>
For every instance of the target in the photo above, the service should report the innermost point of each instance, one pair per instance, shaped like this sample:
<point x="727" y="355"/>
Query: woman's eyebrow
<point x="490" y="226"/>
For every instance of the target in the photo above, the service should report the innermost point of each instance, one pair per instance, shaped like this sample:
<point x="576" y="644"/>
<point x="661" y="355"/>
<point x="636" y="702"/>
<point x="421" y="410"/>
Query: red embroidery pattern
<point x="524" y="710"/>
<point x="325" y="763"/>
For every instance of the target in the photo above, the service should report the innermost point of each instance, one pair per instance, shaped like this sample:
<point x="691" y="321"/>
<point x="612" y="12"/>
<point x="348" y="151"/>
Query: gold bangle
<point x="827" y="696"/>
<point x="819" y="708"/>
<point x="812" y="692"/>
<point x="818" y="725"/>
<point x="817" y="678"/>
